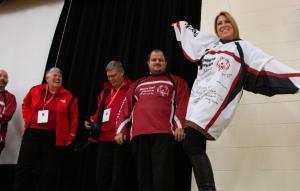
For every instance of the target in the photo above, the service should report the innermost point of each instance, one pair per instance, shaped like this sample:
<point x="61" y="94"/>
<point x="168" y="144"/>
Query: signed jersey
<point x="223" y="74"/>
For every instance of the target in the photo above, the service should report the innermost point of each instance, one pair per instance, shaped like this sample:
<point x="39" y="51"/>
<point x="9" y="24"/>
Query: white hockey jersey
<point x="223" y="73"/>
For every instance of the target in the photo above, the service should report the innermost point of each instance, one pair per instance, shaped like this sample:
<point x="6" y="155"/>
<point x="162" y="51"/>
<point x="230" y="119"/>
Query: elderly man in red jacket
<point x="7" y="107"/>
<point x="50" y="113"/>
<point x="114" y="162"/>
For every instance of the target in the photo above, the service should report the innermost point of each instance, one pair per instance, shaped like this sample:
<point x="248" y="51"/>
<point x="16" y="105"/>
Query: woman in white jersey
<point x="226" y="66"/>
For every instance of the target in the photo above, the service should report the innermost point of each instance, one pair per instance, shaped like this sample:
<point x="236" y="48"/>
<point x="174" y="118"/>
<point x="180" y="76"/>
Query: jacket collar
<point x="61" y="90"/>
<point x="127" y="84"/>
<point x="227" y="41"/>
<point x="162" y="74"/>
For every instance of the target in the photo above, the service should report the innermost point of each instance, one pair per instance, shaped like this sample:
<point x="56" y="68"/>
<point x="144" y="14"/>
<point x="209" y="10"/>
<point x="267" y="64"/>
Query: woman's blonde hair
<point x="236" y="33"/>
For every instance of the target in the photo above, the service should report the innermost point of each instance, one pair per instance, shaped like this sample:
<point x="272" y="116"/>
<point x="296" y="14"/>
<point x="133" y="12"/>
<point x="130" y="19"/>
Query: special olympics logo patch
<point x="163" y="90"/>
<point x="223" y="64"/>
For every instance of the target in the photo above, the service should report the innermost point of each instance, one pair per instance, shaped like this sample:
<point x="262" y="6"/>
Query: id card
<point x="43" y="116"/>
<point x="106" y="114"/>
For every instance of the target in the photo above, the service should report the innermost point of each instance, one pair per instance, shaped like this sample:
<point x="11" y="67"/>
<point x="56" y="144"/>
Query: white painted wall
<point x="26" y="32"/>
<point x="260" y="151"/>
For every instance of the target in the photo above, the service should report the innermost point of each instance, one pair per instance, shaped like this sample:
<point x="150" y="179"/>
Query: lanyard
<point x="45" y="103"/>
<point x="113" y="97"/>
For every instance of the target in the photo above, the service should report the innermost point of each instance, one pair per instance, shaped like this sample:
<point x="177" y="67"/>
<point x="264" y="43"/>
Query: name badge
<point x="43" y="116"/>
<point x="106" y="114"/>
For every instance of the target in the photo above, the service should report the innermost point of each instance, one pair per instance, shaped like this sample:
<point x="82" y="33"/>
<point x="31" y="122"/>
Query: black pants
<point x="183" y="170"/>
<point x="38" y="162"/>
<point x="115" y="167"/>
<point x="154" y="154"/>
<point x="195" y="147"/>
<point x="3" y="131"/>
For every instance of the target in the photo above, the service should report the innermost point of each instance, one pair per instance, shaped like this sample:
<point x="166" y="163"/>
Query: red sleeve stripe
<point x="256" y="72"/>
<point x="268" y="73"/>
<point x="236" y="58"/>
<point x="189" y="58"/>
<point x="178" y="26"/>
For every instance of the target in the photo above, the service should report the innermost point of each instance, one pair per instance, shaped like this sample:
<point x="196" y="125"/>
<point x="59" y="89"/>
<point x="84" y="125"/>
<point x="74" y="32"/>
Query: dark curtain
<point x="99" y="31"/>
<point x="7" y="175"/>
<point x="90" y="33"/>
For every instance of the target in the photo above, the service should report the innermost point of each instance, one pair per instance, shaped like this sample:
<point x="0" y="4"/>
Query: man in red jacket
<point x="7" y="107"/>
<point x="156" y="106"/>
<point x="113" y="161"/>
<point x="50" y="113"/>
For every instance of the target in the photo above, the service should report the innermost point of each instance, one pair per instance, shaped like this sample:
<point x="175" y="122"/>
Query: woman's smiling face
<point x="224" y="28"/>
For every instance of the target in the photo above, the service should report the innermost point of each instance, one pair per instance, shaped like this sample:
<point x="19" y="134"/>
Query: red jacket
<point x="108" y="129"/>
<point x="154" y="104"/>
<point x="9" y="103"/>
<point x="66" y="112"/>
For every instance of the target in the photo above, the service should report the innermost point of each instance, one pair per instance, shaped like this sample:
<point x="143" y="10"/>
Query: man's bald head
<point x="3" y="79"/>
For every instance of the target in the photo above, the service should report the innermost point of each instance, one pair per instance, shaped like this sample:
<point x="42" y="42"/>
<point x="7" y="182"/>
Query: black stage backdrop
<point x="89" y="34"/>
<point x="99" y="31"/>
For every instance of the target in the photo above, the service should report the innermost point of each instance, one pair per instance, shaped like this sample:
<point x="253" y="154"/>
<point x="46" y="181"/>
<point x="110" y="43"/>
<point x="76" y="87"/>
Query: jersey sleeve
<point x="193" y="42"/>
<point x="124" y="114"/>
<point x="268" y="76"/>
<point x="181" y="100"/>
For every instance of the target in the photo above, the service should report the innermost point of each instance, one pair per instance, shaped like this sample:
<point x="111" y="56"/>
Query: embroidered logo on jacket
<point x="223" y="64"/>
<point x="163" y="90"/>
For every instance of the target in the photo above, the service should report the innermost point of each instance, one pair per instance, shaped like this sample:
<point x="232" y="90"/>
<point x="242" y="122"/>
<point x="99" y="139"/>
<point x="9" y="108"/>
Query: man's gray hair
<point x="52" y="70"/>
<point x="114" y="65"/>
